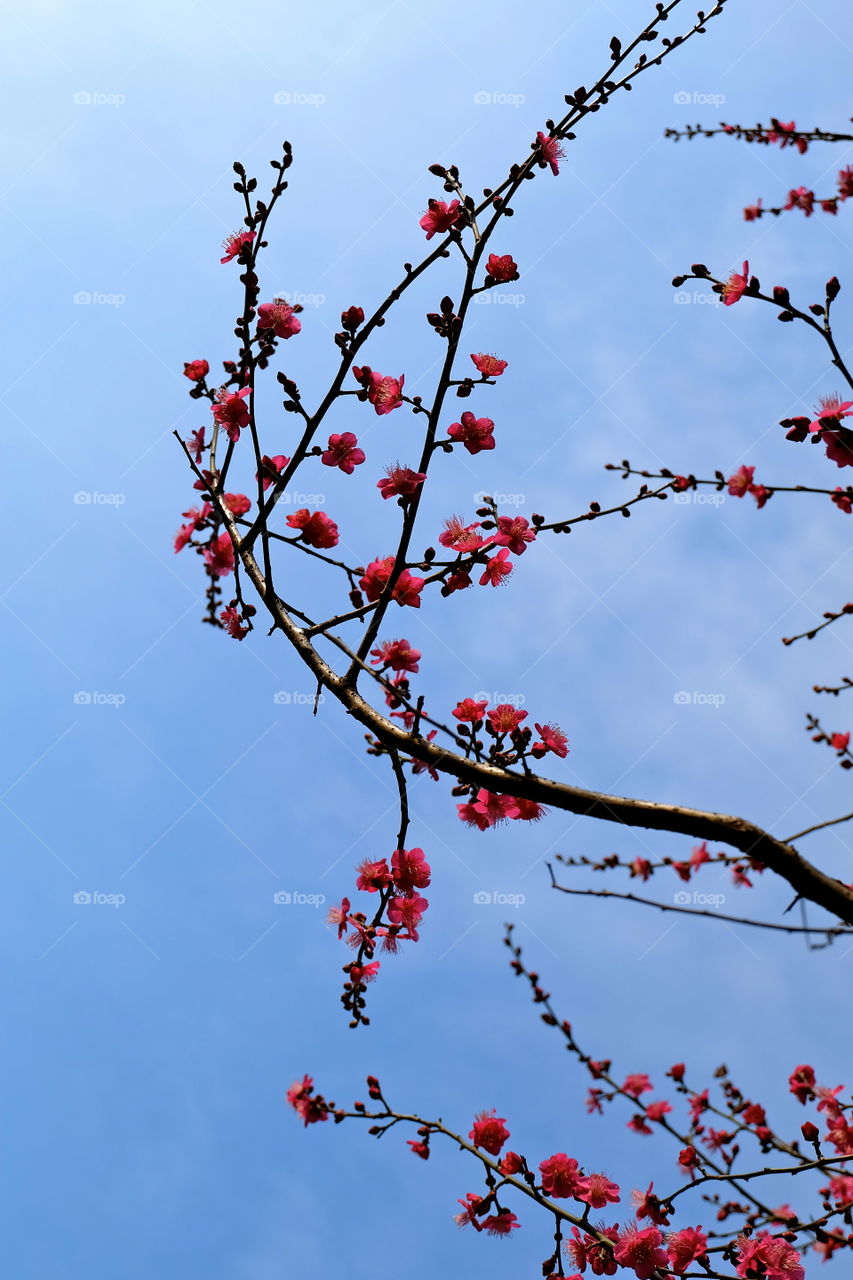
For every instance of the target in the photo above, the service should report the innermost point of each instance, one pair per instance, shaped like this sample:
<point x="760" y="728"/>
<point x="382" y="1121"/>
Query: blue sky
<point x="150" y="1040"/>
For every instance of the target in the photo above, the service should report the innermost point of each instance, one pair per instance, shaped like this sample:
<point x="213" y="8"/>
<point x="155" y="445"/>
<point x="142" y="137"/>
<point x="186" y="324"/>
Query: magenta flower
<point x="280" y="317"/>
<point x="343" y="452"/>
<point x="550" y="152"/>
<point x="233" y="244"/>
<point x="474" y="433"/>
<point x="317" y="529"/>
<point x="735" y="287"/>
<point x="440" y="217"/>
<point x="489" y="366"/>
<point x="400" y="482"/>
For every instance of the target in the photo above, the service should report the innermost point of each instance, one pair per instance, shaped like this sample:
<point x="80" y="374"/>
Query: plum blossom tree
<point x="729" y="1158"/>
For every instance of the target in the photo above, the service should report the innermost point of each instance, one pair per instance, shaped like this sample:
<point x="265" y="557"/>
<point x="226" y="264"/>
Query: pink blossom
<point x="553" y="739"/>
<point x="400" y="482"/>
<point x="489" y="366"/>
<point x="736" y="285"/>
<point x="685" y="1246"/>
<point x="233" y="623"/>
<point x="299" y="1096"/>
<point x="317" y="529"/>
<point x="561" y="1177"/>
<point x="839" y="447"/>
<point x="276" y="465"/>
<point x="489" y="1132"/>
<point x="505" y="718"/>
<point x="551" y="151"/>
<point x="777" y="1258"/>
<point x="641" y="1250"/>
<point x="237" y="503"/>
<point x="410" y="869"/>
<point x="373" y="876"/>
<point x="501" y="267"/>
<point x="752" y="211"/>
<point x="196" y="445"/>
<point x="440" y="217"/>
<point x="740" y="482"/>
<point x="497" y="569"/>
<point x="231" y="411"/>
<point x="234" y="243"/>
<point x="500" y="1224"/>
<point x="829" y="412"/>
<point x="219" y="556"/>
<point x="598" y="1191"/>
<point x="801" y="1083"/>
<point x="514" y="532"/>
<point x="461" y="537"/>
<point x="343" y="452"/>
<point x="636" y="1084"/>
<point x="470" y="710"/>
<point x="340" y="916"/>
<point x="801" y="198"/>
<point x="842" y="500"/>
<point x="406" y="590"/>
<point x="408" y="912"/>
<point x="383" y="392"/>
<point x="195" y="370"/>
<point x="396" y="654"/>
<point x="474" y="433"/>
<point x="280" y="317"/>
